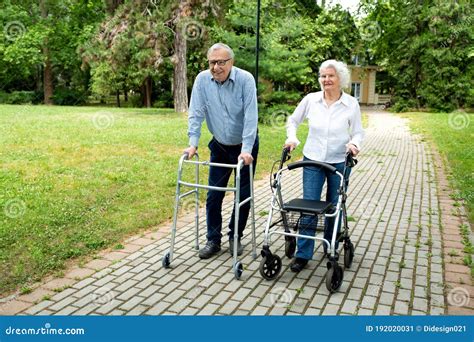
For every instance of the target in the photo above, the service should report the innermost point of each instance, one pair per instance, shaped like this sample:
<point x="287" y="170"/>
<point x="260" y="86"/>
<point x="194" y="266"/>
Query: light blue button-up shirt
<point x="229" y="108"/>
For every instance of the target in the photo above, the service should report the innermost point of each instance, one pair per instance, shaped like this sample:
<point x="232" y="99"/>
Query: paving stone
<point x="125" y="296"/>
<point x="153" y="299"/>
<point x="85" y="291"/>
<point x="83" y="283"/>
<point x="386" y="298"/>
<point x="401" y="308"/>
<point x="241" y="294"/>
<point x="330" y="309"/>
<point x="157" y="309"/>
<point x="35" y="309"/>
<point x="59" y="283"/>
<point x="14" y="307"/>
<point x="350" y="306"/>
<point x="63" y="294"/>
<point x="259" y="311"/>
<point x="368" y="302"/>
<point x="36" y="296"/>
<point x="180" y="305"/>
<point x="404" y="295"/>
<point x="174" y="296"/>
<point x="222" y="297"/>
<point x="78" y="273"/>
<point x="318" y="301"/>
<point x="201" y="301"/>
<point x="61" y="304"/>
<point x="383" y="310"/>
<point x="420" y="304"/>
<point x="365" y="312"/>
<point x="68" y="310"/>
<point x="355" y="294"/>
<point x="136" y="311"/>
<point x="229" y="307"/>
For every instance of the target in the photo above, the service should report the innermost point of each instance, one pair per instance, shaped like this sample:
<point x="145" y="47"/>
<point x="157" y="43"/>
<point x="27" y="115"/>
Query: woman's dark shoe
<point x="210" y="249"/>
<point x="298" y="264"/>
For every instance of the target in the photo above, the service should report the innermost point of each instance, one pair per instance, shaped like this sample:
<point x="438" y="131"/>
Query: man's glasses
<point x="220" y="62"/>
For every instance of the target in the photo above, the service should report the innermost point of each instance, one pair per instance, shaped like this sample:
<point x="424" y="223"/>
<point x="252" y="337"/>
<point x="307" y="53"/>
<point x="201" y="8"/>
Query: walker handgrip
<point x="304" y="163"/>
<point x="350" y="160"/>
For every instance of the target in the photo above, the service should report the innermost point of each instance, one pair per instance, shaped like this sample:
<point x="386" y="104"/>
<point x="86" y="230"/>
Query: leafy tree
<point x="295" y="39"/>
<point x="139" y="39"/>
<point x="39" y="41"/>
<point x="424" y="46"/>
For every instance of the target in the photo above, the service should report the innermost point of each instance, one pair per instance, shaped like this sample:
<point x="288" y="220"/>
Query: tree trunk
<point x="147" y="86"/>
<point x="117" y="97"/>
<point x="48" y="78"/>
<point x="48" y="69"/>
<point x="125" y="95"/>
<point x="180" y="91"/>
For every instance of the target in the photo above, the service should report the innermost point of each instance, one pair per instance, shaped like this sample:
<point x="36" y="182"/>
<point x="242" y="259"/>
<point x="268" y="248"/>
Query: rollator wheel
<point x="334" y="277"/>
<point x="348" y="254"/>
<point x="270" y="267"/>
<point x="290" y="246"/>
<point x="166" y="260"/>
<point x="238" y="270"/>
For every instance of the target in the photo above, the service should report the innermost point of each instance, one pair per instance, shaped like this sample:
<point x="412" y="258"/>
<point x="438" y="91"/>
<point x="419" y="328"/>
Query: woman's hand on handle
<point x="290" y="146"/>
<point x="353" y="149"/>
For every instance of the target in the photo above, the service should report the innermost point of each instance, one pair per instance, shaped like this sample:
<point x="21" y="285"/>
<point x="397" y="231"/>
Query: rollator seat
<point x="308" y="206"/>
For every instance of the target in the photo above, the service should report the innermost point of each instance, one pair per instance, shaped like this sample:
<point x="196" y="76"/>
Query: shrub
<point x="18" y="97"/>
<point x="275" y="115"/>
<point x="69" y="97"/>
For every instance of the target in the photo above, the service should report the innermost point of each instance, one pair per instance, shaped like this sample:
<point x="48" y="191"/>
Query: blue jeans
<point x="313" y="181"/>
<point x="219" y="176"/>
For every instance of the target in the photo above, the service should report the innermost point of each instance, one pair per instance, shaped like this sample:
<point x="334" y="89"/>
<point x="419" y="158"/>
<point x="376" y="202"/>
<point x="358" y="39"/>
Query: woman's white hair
<point x="219" y="46"/>
<point x="342" y="72"/>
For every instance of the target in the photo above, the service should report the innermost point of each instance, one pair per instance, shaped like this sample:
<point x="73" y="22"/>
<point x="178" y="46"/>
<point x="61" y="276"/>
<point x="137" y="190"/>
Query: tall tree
<point x="188" y="23"/>
<point x="129" y="49"/>
<point x="48" y="68"/>
<point x="424" y="45"/>
<point x="38" y="49"/>
<point x="295" y="39"/>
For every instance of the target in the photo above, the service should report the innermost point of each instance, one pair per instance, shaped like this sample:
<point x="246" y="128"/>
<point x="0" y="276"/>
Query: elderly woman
<point x="334" y="128"/>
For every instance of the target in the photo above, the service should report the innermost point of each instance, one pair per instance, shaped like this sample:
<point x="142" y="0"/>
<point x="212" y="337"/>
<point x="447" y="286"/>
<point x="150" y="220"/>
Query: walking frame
<point x="236" y="264"/>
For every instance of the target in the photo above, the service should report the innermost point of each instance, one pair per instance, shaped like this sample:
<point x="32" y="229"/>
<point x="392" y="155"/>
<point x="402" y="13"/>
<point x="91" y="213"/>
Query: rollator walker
<point x="237" y="265"/>
<point x="297" y="212"/>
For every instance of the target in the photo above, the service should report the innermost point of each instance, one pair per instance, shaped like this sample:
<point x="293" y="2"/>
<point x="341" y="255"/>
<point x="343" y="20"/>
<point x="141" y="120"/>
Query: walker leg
<point x="252" y="210"/>
<point x="237" y="266"/>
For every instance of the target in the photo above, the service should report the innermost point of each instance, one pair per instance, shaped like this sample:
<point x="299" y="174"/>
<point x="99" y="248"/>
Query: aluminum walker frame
<point x="237" y="265"/>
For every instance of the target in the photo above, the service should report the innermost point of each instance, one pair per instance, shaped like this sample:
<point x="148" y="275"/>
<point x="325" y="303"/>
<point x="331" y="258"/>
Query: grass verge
<point x="76" y="180"/>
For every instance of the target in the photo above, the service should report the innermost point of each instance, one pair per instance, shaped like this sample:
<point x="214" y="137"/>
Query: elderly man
<point x="226" y="97"/>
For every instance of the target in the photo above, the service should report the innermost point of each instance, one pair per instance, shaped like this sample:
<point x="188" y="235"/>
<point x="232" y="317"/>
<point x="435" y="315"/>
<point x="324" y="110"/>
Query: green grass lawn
<point x="452" y="134"/>
<point x="75" y="180"/>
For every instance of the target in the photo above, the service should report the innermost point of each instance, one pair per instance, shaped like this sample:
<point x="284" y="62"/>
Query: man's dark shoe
<point x="210" y="249"/>
<point x="240" y="248"/>
<point x="298" y="264"/>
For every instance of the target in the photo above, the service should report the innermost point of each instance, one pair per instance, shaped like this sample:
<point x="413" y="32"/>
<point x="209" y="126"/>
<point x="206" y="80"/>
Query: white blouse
<point x="330" y="128"/>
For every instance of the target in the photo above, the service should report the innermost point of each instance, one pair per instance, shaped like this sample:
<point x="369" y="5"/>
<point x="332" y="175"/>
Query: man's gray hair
<point x="219" y="46"/>
<point x="342" y="72"/>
